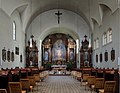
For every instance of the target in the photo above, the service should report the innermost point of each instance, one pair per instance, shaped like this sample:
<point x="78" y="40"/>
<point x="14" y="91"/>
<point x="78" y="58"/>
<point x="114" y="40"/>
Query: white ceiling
<point x="29" y="9"/>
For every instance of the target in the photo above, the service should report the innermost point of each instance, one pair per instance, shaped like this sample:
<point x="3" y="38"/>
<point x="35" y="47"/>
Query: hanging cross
<point x="58" y="14"/>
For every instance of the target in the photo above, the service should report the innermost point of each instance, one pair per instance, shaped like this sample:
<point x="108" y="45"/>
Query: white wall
<point x="111" y="21"/>
<point x="7" y="41"/>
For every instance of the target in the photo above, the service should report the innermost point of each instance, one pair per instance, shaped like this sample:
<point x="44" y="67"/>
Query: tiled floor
<point x="60" y="84"/>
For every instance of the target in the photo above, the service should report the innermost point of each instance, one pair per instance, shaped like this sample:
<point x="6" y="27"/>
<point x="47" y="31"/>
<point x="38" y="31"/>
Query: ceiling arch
<point x="63" y="30"/>
<point x="21" y="8"/>
<point x="38" y="6"/>
<point x="112" y="5"/>
<point x="39" y="11"/>
<point x="104" y="9"/>
<point x="46" y="23"/>
<point x="94" y="22"/>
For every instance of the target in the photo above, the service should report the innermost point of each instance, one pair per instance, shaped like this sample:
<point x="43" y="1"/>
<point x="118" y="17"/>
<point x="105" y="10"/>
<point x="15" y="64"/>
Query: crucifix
<point x="58" y="14"/>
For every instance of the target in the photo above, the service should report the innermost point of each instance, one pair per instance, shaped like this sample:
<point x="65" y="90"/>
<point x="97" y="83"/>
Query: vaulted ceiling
<point x="90" y="10"/>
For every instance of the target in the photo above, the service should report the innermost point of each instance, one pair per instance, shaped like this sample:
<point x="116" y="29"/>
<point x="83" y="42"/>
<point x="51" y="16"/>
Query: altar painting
<point x="58" y="51"/>
<point x="46" y="56"/>
<point x="71" y="55"/>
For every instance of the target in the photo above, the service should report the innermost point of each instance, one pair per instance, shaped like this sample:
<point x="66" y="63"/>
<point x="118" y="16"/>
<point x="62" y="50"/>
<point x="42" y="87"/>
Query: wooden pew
<point x="109" y="75"/>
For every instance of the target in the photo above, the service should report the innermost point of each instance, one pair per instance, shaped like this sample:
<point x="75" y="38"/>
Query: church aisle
<point x="61" y="84"/>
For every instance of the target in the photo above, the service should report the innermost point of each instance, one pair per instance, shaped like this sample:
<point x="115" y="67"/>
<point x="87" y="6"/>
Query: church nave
<point x="56" y="45"/>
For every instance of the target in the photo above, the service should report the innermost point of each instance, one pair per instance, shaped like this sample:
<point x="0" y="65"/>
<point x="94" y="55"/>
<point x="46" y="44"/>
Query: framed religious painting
<point x="21" y="58"/>
<point x="4" y="54"/>
<point x="71" y="54"/>
<point x="96" y="58"/>
<point x="17" y="50"/>
<point x="12" y="56"/>
<point x="46" y="55"/>
<point x="8" y="55"/>
<point x="101" y="57"/>
<point x="112" y="54"/>
<point x="106" y="56"/>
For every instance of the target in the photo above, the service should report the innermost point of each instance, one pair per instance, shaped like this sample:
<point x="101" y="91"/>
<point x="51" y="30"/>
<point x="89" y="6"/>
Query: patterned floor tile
<point x="60" y="84"/>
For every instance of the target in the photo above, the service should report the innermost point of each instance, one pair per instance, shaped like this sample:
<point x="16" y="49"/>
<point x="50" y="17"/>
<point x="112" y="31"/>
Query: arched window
<point x="104" y="39"/>
<point x="14" y="30"/>
<point x="109" y="35"/>
<point x="96" y="43"/>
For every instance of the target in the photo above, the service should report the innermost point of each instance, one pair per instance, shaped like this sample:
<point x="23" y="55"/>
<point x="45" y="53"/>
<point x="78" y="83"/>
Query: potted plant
<point x="48" y="66"/>
<point x="69" y="66"/>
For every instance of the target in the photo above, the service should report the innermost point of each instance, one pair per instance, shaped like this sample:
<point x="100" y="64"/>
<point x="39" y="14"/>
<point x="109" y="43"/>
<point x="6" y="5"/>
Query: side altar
<point x="31" y="54"/>
<point x="85" y="54"/>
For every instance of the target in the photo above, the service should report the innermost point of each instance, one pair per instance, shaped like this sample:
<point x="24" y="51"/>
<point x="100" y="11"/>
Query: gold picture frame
<point x="112" y="54"/>
<point x="96" y="58"/>
<point x="8" y="55"/>
<point x="12" y="56"/>
<point x="101" y="57"/>
<point x="17" y="50"/>
<point x="4" y="54"/>
<point x="21" y="58"/>
<point x="106" y="56"/>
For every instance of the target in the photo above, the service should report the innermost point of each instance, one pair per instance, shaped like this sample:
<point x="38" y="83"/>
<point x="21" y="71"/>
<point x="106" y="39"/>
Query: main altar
<point x="58" y="49"/>
<point x="59" y="69"/>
